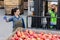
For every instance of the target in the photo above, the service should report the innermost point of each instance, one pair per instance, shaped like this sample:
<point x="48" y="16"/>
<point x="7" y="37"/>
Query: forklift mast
<point x="58" y="13"/>
<point x="38" y="10"/>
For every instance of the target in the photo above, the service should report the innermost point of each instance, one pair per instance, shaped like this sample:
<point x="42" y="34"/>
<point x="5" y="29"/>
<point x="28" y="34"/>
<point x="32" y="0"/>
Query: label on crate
<point x="11" y="2"/>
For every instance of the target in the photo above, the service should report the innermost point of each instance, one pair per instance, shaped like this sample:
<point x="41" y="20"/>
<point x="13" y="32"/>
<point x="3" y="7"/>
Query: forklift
<point x="40" y="11"/>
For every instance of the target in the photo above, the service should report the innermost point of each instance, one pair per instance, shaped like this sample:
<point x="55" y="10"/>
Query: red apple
<point x="23" y="36"/>
<point x="35" y="35"/>
<point x="12" y="38"/>
<point x="42" y="33"/>
<point x="33" y="39"/>
<point x="44" y="36"/>
<point x="26" y="33"/>
<point x="26" y="30"/>
<point x="58" y="39"/>
<point x="31" y="36"/>
<point x="18" y="33"/>
<point x="20" y="39"/>
<point x="47" y="39"/>
<point x="27" y="39"/>
<point x="50" y="35"/>
<point x="55" y="36"/>
<point x="31" y="32"/>
<point x="16" y="37"/>
<point x="59" y="36"/>
<point x="39" y="38"/>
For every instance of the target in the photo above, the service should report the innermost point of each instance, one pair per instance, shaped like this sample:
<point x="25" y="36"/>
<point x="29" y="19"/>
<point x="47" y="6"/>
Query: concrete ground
<point x="4" y="29"/>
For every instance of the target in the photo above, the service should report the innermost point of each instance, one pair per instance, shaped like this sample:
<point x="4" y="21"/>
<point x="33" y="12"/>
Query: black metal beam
<point x="38" y="10"/>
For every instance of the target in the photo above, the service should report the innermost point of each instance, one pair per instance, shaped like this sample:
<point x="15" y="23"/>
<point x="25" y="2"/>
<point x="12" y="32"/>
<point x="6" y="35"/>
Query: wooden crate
<point x="11" y="2"/>
<point x="8" y="9"/>
<point x="19" y="28"/>
<point x="1" y="3"/>
<point x="25" y="5"/>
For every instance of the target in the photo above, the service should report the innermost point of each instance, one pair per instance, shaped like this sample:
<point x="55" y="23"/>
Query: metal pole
<point x="26" y="21"/>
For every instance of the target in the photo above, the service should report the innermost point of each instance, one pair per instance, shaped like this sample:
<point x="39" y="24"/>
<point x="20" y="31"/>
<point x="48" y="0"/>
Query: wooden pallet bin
<point x="35" y="30"/>
<point x="8" y="8"/>
<point x="19" y="28"/>
<point x="1" y="3"/>
<point x="10" y="4"/>
<point x="25" y="5"/>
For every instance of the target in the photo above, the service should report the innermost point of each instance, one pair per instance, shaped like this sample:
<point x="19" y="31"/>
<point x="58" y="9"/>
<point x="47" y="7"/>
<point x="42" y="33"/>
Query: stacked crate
<point x="26" y="5"/>
<point x="1" y="4"/>
<point x="10" y="4"/>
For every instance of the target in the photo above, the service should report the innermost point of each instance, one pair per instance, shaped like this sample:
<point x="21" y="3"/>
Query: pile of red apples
<point x="31" y="35"/>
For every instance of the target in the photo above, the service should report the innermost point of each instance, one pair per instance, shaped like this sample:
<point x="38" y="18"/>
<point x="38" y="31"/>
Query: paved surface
<point x="5" y="28"/>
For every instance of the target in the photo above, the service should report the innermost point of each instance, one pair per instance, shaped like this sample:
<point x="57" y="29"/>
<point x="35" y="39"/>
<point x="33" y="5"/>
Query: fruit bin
<point x="53" y="32"/>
